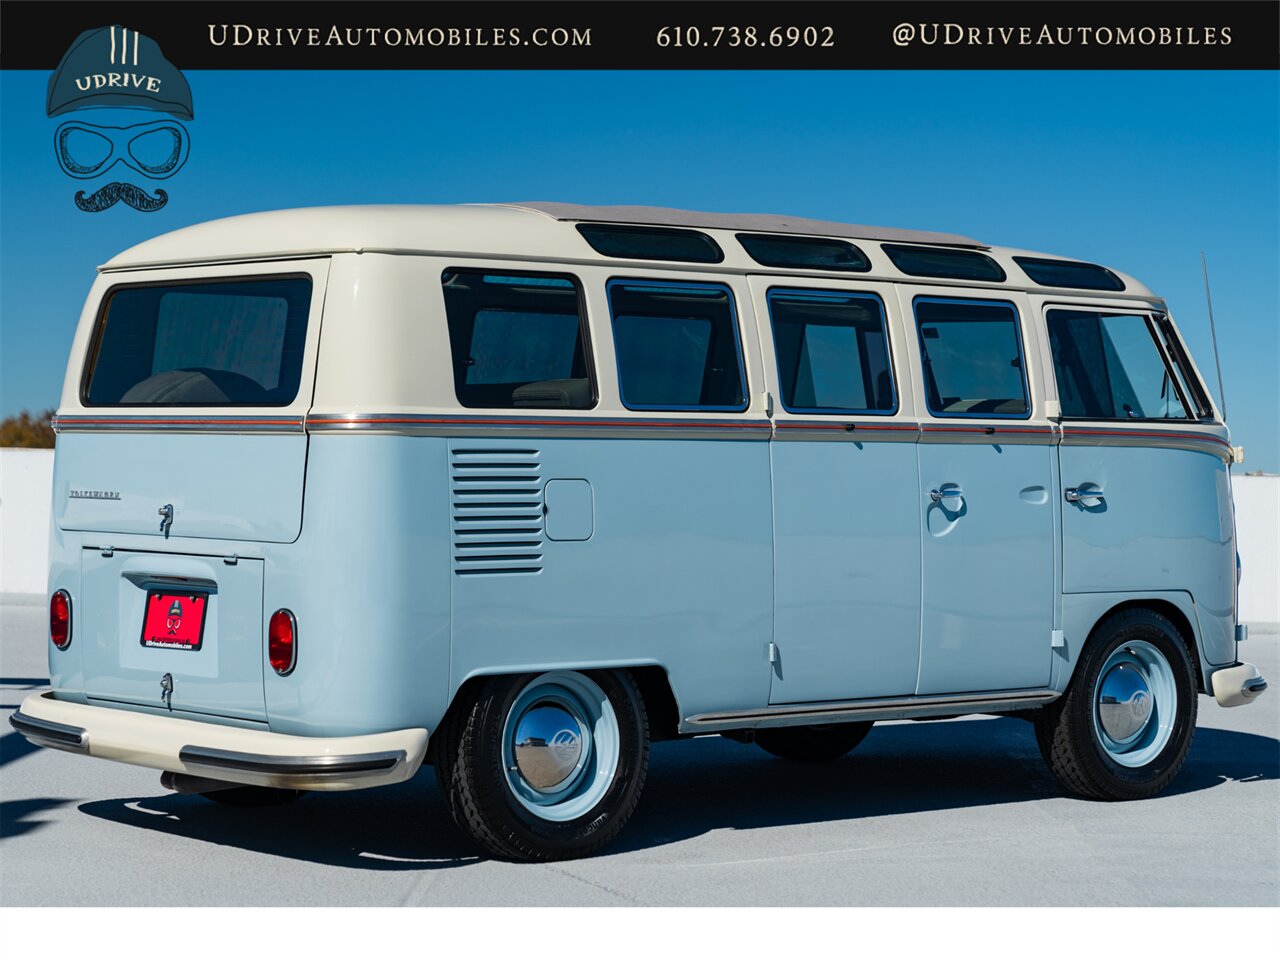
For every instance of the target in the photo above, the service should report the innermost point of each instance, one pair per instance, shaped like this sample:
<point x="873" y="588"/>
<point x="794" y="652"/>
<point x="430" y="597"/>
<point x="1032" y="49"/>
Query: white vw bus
<point x="517" y="489"/>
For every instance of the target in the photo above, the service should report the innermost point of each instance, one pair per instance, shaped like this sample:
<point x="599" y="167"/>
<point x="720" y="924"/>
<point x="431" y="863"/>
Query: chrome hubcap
<point x="1135" y="704"/>
<point x="548" y="746"/>
<point x="1124" y="706"/>
<point x="560" y="746"/>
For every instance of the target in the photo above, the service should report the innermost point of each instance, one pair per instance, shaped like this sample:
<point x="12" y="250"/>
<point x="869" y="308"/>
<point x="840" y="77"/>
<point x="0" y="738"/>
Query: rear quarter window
<point x="235" y="342"/>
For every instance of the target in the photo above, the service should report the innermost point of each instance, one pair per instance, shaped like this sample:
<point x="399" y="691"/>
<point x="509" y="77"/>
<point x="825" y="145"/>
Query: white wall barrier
<point x="1258" y="541"/>
<point x="26" y="500"/>
<point x="26" y="486"/>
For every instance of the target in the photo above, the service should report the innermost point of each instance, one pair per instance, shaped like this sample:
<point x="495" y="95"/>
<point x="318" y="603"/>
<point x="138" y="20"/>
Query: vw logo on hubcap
<point x="548" y="746"/>
<point x="1124" y="703"/>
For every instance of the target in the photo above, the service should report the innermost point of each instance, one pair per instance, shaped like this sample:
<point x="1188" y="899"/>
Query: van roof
<point x="752" y="222"/>
<point x="527" y="230"/>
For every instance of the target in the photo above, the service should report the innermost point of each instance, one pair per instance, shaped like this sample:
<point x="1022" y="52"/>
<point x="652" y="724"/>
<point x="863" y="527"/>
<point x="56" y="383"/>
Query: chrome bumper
<point x="231" y="754"/>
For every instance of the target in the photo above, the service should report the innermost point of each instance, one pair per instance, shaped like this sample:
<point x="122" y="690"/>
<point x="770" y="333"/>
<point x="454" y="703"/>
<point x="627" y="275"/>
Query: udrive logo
<point x="116" y="72"/>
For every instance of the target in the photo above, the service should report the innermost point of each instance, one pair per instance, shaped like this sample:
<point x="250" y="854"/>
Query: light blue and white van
<point x="516" y="490"/>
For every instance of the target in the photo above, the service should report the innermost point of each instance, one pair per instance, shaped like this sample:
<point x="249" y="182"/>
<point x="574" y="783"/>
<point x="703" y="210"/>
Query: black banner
<point x="1075" y="35"/>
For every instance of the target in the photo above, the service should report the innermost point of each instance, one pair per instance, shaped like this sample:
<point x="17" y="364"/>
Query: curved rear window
<point x="1069" y="273"/>
<point x="224" y="343"/>
<point x="814" y="253"/>
<point x="943" y="262"/>
<point x="651" y="243"/>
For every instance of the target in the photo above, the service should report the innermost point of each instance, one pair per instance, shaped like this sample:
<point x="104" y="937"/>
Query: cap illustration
<point x="118" y="67"/>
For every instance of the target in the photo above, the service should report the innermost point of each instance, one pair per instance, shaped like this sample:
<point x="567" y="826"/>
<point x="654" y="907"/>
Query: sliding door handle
<point x="1076" y="495"/>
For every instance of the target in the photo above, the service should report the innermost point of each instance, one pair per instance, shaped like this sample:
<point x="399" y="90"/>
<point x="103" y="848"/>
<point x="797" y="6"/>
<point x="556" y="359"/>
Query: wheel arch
<point x="1187" y="632"/>
<point x="1091" y="611"/>
<point x="652" y="680"/>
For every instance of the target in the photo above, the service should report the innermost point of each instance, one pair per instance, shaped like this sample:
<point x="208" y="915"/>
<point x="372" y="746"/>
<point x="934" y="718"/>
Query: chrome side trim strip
<point x="988" y="433"/>
<point x="880" y="709"/>
<point x="178" y="424"/>
<point x="46" y="733"/>
<point x="850" y="430"/>
<point x="318" y="766"/>
<point x="438" y="425"/>
<point x="1132" y="437"/>
<point x="651" y="428"/>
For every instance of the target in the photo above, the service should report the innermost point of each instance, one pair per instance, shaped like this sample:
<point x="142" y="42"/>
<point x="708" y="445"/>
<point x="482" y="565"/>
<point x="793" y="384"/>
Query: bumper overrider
<point x="217" y="752"/>
<point x="1237" y="685"/>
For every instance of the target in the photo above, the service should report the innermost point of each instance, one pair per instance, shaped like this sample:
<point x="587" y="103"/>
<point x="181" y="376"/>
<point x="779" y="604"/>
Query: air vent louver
<point x="497" y="514"/>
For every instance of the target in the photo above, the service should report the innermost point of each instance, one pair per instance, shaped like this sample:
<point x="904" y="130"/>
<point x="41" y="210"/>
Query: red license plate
<point x="174" y="621"/>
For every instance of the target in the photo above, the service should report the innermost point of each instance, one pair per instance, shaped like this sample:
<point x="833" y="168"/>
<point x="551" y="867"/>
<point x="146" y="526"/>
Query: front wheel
<point x="547" y="766"/>
<point x="1123" y="728"/>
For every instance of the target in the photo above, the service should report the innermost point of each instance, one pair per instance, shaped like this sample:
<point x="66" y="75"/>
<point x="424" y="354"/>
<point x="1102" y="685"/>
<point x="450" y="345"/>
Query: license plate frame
<point x="159" y="629"/>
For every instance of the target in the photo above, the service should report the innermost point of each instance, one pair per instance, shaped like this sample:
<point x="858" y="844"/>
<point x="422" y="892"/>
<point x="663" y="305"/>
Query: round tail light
<point x="282" y="642"/>
<point x="60" y="619"/>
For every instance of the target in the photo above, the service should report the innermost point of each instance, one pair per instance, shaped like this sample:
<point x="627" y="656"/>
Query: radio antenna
<point x="1213" y="332"/>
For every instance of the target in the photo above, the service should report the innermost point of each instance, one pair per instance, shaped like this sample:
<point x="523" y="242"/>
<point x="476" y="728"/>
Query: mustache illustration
<point x="113" y="193"/>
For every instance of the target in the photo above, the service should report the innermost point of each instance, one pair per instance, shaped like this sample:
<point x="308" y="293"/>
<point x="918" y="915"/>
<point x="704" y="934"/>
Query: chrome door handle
<point x="1075" y="495"/>
<point x="937" y="496"/>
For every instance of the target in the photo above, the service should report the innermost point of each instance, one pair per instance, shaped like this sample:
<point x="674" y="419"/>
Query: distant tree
<point x="24" y="430"/>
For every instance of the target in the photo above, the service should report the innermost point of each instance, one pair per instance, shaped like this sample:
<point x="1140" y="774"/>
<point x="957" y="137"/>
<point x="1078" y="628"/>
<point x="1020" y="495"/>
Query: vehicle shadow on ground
<point x="14" y="746"/>
<point x="693" y="787"/>
<point x="15" y="815"/>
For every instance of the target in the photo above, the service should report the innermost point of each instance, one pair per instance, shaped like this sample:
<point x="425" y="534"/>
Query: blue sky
<point x="1137" y="170"/>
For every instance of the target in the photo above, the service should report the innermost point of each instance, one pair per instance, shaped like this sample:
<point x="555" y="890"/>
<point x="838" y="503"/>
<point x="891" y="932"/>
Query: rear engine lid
<point x="217" y="486"/>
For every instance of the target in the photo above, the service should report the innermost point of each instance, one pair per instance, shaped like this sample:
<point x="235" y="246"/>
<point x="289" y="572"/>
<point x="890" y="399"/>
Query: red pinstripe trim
<point x="1150" y="434"/>
<point x="984" y="428"/>
<point x="524" y="421"/>
<point x="202" y="421"/>
<point x="790" y="425"/>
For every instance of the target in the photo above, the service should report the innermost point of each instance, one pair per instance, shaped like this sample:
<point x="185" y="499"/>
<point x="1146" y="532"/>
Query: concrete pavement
<point x="945" y="813"/>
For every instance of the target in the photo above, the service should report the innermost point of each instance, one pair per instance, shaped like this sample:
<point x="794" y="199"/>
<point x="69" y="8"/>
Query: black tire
<point x="1044" y="736"/>
<point x="1069" y="733"/>
<point x="254" y="796"/>
<point x="480" y="789"/>
<point x="816" y="744"/>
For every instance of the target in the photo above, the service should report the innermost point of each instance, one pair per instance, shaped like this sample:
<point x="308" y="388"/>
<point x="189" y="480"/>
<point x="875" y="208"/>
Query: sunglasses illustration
<point x="156" y="150"/>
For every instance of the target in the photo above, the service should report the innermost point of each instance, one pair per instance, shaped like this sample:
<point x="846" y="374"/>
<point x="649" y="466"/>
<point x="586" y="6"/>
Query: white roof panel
<point x="751" y="222"/>
<point x="529" y="231"/>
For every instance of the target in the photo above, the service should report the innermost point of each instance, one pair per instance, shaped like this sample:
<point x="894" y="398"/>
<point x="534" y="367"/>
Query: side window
<point x="972" y="356"/>
<point x="677" y="346"/>
<point x="832" y="350"/>
<point x="1193" y="391"/>
<point x="1109" y="367"/>
<point x="517" y="340"/>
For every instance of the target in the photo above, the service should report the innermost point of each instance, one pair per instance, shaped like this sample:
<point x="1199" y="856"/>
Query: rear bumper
<point x="231" y="754"/>
<point x="1237" y="685"/>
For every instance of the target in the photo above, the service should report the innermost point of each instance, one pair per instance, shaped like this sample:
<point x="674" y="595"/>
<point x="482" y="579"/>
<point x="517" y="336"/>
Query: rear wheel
<point x="815" y="744"/>
<point x="545" y="766"/>
<point x="1123" y="728"/>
